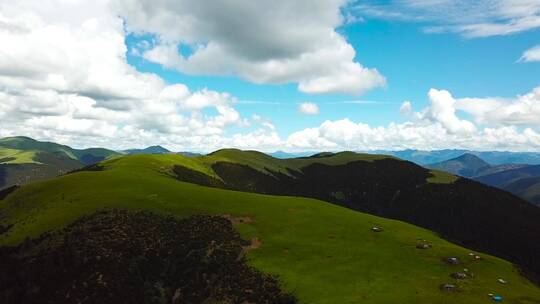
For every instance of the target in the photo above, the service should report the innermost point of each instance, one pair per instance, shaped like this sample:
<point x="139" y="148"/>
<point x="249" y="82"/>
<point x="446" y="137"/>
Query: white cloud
<point x="265" y="42"/>
<point x="64" y="76"/>
<point x="481" y="18"/>
<point x="406" y="108"/>
<point x="522" y="110"/>
<point x="500" y="125"/>
<point x="308" y="108"/>
<point x="532" y="54"/>
<point x="442" y="110"/>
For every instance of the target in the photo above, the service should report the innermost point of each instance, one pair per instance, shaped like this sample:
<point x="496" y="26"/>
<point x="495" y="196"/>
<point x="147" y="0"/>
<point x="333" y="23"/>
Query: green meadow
<point x="321" y="252"/>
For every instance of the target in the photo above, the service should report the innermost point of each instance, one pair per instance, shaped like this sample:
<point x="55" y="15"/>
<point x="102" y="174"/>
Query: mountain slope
<point x="85" y="156"/>
<point x="321" y="252"/>
<point x="457" y="208"/>
<point x="148" y="150"/>
<point x="523" y="182"/>
<point x="499" y="179"/>
<point x="467" y="165"/>
<point x="24" y="160"/>
<point x="528" y="188"/>
<point x="492" y="157"/>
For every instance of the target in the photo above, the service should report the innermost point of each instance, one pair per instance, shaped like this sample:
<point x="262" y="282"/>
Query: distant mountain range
<point x="524" y="182"/>
<point x="24" y="160"/>
<point x="158" y="150"/>
<point x="520" y="179"/>
<point x="149" y="150"/>
<point x="285" y="155"/>
<point x="493" y="157"/>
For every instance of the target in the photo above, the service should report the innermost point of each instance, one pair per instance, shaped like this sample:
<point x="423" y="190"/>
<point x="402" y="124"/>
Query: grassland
<point x="14" y="156"/>
<point x="321" y="252"/>
<point x="441" y="177"/>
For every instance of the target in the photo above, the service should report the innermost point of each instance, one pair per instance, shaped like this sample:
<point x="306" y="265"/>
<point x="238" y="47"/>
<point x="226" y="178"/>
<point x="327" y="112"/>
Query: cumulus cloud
<point x="443" y="111"/>
<point x="308" y="108"/>
<point x="262" y="42"/>
<point x="522" y="110"/>
<point x="406" y="108"/>
<point x="499" y="124"/>
<point x="481" y="18"/>
<point x="64" y="76"/>
<point x="532" y="54"/>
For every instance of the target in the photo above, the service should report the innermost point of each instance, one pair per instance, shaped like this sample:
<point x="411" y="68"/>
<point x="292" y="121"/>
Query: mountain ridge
<point x="322" y="252"/>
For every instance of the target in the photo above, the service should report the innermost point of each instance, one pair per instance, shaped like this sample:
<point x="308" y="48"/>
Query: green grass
<point x="441" y="177"/>
<point x="19" y="156"/>
<point x="321" y="252"/>
<point x="28" y="144"/>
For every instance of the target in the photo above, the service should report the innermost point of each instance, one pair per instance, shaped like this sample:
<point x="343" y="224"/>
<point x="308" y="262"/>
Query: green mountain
<point x="523" y="182"/>
<point x="492" y="157"/>
<point x="24" y="160"/>
<point x="527" y="187"/>
<point x="319" y="251"/>
<point x="148" y="150"/>
<point x="467" y="165"/>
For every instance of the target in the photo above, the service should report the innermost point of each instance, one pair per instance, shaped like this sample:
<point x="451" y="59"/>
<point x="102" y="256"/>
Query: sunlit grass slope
<point x="321" y="252"/>
<point x="13" y="156"/>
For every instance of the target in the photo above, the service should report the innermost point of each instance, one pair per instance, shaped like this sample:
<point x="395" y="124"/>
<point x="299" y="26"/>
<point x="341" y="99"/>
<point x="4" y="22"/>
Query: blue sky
<point x="273" y="75"/>
<point x="411" y="60"/>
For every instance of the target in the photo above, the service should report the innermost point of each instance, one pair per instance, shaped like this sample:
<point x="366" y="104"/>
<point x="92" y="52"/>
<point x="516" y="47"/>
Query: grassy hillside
<point x="321" y="252"/>
<point x="13" y="156"/>
<point x="29" y="145"/>
<point x="24" y="160"/>
<point x="459" y="209"/>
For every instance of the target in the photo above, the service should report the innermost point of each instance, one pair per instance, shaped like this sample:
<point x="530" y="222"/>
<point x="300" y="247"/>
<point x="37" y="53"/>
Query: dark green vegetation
<point x="136" y="257"/>
<point x="24" y="160"/>
<point x="320" y="252"/>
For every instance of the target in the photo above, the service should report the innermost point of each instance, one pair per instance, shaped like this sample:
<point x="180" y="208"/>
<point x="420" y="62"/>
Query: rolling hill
<point x="321" y="252"/>
<point x="24" y="160"/>
<point x="528" y="188"/>
<point x="148" y="150"/>
<point x="523" y="181"/>
<point x="457" y="208"/>
<point x="471" y="166"/>
<point x="467" y="165"/>
<point x="493" y="157"/>
<point x="500" y="179"/>
<point x="519" y="179"/>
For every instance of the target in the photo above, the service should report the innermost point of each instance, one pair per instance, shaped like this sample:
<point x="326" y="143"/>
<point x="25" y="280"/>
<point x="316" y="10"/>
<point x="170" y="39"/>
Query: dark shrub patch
<point x="191" y="176"/>
<point x="7" y="191"/>
<point x="136" y="257"/>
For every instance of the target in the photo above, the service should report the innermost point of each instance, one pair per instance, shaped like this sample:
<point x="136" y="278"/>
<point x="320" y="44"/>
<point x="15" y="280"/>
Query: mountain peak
<point x="157" y="149"/>
<point x="471" y="158"/>
<point x="467" y="165"/>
